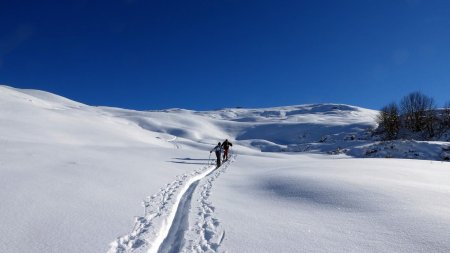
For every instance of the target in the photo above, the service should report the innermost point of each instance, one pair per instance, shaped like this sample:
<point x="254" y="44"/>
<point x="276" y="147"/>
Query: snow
<point x="74" y="176"/>
<point x="74" y="179"/>
<point x="318" y="204"/>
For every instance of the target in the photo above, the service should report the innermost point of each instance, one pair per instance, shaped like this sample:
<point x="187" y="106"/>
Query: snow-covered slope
<point x="73" y="177"/>
<point x="316" y="203"/>
<point x="39" y="117"/>
<point x="287" y="128"/>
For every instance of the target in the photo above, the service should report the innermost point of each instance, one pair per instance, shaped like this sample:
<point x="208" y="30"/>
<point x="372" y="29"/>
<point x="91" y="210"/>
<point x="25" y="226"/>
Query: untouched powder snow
<point x="73" y="177"/>
<point x="313" y="203"/>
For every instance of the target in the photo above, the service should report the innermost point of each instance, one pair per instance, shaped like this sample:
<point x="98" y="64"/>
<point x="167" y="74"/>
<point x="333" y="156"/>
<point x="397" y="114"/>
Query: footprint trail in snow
<point x="207" y="234"/>
<point x="165" y="226"/>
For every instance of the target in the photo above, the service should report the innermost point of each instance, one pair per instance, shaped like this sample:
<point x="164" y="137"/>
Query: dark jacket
<point x="217" y="149"/>
<point x="226" y="144"/>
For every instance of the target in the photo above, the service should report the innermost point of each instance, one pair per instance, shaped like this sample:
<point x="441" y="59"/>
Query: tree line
<point x="415" y="117"/>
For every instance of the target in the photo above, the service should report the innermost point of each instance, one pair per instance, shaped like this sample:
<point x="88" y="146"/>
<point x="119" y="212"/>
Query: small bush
<point x="415" y="117"/>
<point x="389" y="121"/>
<point x="446" y="116"/>
<point x="418" y="112"/>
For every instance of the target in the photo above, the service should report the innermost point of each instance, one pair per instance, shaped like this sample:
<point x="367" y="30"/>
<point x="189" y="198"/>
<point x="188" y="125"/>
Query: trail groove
<point x="165" y="225"/>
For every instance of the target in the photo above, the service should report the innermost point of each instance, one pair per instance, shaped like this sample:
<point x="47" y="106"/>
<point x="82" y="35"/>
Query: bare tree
<point x="443" y="119"/>
<point x="431" y="121"/>
<point x="389" y="121"/>
<point x="418" y="112"/>
<point x="446" y="116"/>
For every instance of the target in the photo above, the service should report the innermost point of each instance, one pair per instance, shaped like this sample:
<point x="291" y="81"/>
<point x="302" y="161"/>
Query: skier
<point x="218" y="150"/>
<point x="226" y="145"/>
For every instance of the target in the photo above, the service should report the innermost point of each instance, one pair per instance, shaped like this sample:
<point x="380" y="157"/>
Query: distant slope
<point x="267" y="129"/>
<point x="41" y="117"/>
<point x="323" y="128"/>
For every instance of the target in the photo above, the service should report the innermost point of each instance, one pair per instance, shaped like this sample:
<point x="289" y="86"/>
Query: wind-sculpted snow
<point x="300" y="133"/>
<point x="28" y="118"/>
<point x="324" y="194"/>
<point x="288" y="112"/>
<point x="315" y="203"/>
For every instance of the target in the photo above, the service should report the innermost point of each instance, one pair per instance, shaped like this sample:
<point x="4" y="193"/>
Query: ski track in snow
<point x="170" y="207"/>
<point x="175" y="143"/>
<point x="207" y="234"/>
<point x="174" y="240"/>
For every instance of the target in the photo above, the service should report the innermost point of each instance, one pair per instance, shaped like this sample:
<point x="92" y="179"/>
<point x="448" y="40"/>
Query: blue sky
<point x="213" y="54"/>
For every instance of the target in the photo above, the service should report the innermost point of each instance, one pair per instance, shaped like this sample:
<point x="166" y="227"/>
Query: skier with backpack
<point x="226" y="145"/>
<point x="218" y="150"/>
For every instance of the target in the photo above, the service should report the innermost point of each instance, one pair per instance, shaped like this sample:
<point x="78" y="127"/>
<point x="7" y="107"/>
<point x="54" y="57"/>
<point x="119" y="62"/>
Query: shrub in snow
<point x="351" y="137"/>
<point x="418" y="110"/>
<point x="371" y="151"/>
<point x="389" y="121"/>
<point x="415" y="119"/>
<point x="444" y="121"/>
<point x="445" y="155"/>
<point x="323" y="139"/>
<point x="338" y="151"/>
